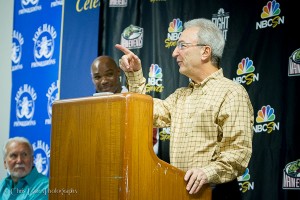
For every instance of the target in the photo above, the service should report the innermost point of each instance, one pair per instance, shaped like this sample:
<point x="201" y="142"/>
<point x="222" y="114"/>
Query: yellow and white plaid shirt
<point x="211" y="125"/>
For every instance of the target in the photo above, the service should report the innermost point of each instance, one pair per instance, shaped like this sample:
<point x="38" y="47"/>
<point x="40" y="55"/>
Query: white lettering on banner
<point x="41" y="156"/>
<point x="16" y="67"/>
<point x="43" y="63"/>
<point x="222" y="21"/>
<point x="25" y="123"/>
<point x="135" y="43"/>
<point x="56" y="3"/>
<point x="30" y="10"/>
<point x="270" y="22"/>
<point x="16" y="51"/>
<point x="25" y="106"/>
<point x="118" y="3"/>
<point x="290" y="182"/>
<point x="44" y="46"/>
<point x="294" y="68"/>
<point x="52" y="95"/>
<point x="87" y="5"/>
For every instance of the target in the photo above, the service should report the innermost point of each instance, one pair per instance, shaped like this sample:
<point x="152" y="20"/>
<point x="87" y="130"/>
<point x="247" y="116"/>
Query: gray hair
<point x="18" y="140"/>
<point x="210" y="35"/>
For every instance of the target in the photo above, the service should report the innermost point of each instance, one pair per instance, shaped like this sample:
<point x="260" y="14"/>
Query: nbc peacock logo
<point x="270" y="16"/>
<point x="244" y="182"/>
<point x="245" y="72"/>
<point x="174" y="32"/>
<point x="164" y="134"/>
<point x="155" y="79"/>
<point x="265" y="119"/>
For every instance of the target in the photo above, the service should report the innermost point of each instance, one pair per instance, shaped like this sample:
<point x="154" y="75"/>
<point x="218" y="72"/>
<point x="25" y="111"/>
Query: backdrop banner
<point x="261" y="53"/>
<point x="79" y="48"/>
<point x="35" y="61"/>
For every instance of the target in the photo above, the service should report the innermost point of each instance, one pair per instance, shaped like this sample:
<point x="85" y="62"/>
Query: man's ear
<point x="5" y="166"/>
<point x="206" y="52"/>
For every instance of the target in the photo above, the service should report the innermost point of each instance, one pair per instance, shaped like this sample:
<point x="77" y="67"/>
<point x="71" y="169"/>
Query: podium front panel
<point x="101" y="148"/>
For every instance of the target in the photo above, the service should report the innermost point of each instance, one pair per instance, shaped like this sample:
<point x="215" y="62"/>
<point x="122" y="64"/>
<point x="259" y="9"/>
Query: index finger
<point x="188" y="175"/>
<point x="123" y="49"/>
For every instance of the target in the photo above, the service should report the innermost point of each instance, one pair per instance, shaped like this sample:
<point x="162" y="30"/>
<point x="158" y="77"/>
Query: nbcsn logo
<point x="265" y="119"/>
<point x="245" y="71"/>
<point x="244" y="182"/>
<point x="271" y="9"/>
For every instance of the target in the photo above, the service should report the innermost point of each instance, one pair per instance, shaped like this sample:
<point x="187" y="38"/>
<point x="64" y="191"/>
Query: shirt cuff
<point x="211" y="174"/>
<point x="135" y="78"/>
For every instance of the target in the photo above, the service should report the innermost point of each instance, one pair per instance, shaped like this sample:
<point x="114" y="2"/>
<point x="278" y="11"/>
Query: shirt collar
<point x="216" y="75"/>
<point x="29" y="178"/>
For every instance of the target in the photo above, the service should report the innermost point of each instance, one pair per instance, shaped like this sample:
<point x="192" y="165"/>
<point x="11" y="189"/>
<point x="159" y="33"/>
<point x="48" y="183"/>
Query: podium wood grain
<point x="101" y="148"/>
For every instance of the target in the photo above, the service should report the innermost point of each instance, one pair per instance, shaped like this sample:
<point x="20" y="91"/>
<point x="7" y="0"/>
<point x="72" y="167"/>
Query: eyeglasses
<point x="184" y="45"/>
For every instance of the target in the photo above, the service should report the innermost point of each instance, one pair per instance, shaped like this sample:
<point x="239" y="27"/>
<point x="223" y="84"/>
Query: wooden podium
<point x="101" y="148"/>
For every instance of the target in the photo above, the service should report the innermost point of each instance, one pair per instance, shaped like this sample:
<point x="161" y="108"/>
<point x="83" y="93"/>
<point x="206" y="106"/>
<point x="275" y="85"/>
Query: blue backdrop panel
<point x="35" y="61"/>
<point x="79" y="49"/>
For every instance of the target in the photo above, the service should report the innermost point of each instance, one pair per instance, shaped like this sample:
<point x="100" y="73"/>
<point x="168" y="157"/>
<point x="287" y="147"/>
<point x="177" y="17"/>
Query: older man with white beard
<point x="23" y="181"/>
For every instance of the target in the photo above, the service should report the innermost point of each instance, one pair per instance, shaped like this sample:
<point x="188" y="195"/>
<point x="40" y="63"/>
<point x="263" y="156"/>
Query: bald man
<point x="106" y="78"/>
<point x="106" y="75"/>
